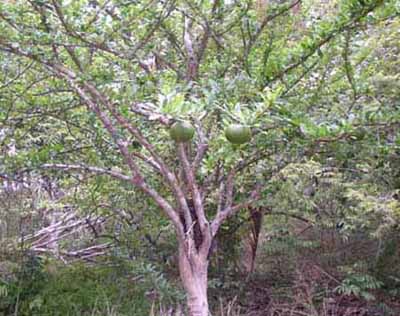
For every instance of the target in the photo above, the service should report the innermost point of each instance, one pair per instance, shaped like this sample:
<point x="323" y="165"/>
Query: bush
<point x="50" y="289"/>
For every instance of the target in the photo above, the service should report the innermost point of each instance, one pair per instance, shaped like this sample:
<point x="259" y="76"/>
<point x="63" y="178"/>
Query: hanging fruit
<point x="181" y="132"/>
<point x="238" y="134"/>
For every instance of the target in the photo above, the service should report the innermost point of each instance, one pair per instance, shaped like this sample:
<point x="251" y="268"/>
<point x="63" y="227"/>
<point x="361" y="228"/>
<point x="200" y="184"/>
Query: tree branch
<point x="229" y="211"/>
<point x="82" y="167"/>
<point x="192" y="65"/>
<point x="150" y="112"/>
<point x="190" y="178"/>
<point x="202" y="145"/>
<point x="137" y="179"/>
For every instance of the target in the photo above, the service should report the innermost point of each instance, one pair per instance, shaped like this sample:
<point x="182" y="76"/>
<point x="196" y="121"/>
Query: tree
<point x="97" y="84"/>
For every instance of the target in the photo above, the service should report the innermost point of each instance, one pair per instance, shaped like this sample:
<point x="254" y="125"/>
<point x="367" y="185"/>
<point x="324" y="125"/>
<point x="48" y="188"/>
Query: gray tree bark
<point x="193" y="272"/>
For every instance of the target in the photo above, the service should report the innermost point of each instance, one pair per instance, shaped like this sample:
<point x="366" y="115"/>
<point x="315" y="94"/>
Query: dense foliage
<point x="96" y="196"/>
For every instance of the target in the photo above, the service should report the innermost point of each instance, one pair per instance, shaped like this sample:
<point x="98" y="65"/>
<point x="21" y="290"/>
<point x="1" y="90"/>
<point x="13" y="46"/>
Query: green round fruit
<point x="238" y="134"/>
<point x="181" y="132"/>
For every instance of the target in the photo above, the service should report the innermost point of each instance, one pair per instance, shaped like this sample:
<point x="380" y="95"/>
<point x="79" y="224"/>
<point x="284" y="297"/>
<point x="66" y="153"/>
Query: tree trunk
<point x="251" y="241"/>
<point x="193" y="271"/>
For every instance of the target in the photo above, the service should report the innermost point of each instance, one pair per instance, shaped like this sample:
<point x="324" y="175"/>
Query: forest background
<point x="103" y="213"/>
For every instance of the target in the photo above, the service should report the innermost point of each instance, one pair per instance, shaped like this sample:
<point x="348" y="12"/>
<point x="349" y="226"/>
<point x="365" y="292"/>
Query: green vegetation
<point x="238" y="158"/>
<point x="49" y="288"/>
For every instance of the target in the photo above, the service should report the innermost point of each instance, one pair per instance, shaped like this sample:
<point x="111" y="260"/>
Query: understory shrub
<point x="46" y="288"/>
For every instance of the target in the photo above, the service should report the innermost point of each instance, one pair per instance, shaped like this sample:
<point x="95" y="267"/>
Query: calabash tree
<point x="109" y="88"/>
